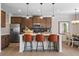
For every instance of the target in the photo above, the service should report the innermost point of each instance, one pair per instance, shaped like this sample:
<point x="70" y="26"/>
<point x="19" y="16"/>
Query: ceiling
<point x="35" y="8"/>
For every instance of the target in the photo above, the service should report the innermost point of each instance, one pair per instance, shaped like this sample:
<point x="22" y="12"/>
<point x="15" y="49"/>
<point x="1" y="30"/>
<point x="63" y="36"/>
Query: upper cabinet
<point x="47" y="21"/>
<point x="3" y="19"/>
<point x="35" y="20"/>
<point x="44" y="22"/>
<point x="27" y="22"/>
<point x="16" y="20"/>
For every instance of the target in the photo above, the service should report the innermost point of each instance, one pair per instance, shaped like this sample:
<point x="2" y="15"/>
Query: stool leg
<point x="54" y="46"/>
<point x="43" y="45"/>
<point x="31" y="45"/>
<point x="37" y="46"/>
<point x="25" y="45"/>
<point x="49" y="46"/>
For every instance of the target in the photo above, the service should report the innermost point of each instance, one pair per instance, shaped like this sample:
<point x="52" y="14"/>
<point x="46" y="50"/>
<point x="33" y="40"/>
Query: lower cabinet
<point x="4" y="41"/>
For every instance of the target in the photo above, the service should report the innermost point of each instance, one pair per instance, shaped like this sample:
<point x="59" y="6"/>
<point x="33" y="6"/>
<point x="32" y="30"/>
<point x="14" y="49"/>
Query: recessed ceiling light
<point x="19" y="10"/>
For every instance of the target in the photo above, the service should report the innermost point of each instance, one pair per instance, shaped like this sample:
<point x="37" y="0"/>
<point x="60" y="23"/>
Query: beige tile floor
<point x="13" y="50"/>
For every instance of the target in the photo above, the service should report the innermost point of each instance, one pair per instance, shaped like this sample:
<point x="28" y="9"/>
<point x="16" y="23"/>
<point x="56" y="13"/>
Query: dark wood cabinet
<point x="47" y="21"/>
<point x="36" y="19"/>
<point x="16" y="20"/>
<point x="44" y="23"/>
<point x="4" y="41"/>
<point x="3" y="18"/>
<point x="27" y="22"/>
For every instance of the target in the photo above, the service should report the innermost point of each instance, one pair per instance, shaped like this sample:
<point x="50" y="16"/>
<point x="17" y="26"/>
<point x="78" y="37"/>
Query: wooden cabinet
<point x="44" y="23"/>
<point x="27" y="22"/>
<point x="36" y="19"/>
<point x="4" y="41"/>
<point x="16" y="20"/>
<point x="47" y="22"/>
<point x="3" y="19"/>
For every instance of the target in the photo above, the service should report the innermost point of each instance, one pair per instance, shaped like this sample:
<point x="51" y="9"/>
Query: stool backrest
<point x="53" y="38"/>
<point x="40" y="37"/>
<point x="27" y="37"/>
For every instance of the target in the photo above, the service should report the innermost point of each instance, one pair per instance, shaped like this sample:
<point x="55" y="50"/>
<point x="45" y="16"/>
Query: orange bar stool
<point x="53" y="38"/>
<point x="40" y="38"/>
<point x="27" y="38"/>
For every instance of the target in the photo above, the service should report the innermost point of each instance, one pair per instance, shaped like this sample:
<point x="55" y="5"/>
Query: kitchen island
<point x="21" y="47"/>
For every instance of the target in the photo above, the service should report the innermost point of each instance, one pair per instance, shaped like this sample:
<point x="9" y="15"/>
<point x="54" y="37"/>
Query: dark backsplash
<point x="38" y="28"/>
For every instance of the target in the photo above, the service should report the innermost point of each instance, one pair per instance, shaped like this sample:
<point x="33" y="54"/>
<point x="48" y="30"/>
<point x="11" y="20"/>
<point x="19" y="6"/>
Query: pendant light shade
<point x="75" y="21"/>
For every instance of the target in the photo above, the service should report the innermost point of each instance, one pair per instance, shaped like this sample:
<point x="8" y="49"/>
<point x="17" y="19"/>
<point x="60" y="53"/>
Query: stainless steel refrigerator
<point x="14" y="33"/>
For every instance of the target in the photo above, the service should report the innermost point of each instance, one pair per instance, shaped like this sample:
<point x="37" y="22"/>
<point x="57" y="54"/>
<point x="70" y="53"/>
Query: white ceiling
<point x="35" y="8"/>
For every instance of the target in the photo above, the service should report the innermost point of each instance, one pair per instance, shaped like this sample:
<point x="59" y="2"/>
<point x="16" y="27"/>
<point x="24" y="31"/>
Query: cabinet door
<point x="36" y="19"/>
<point x="43" y="23"/>
<point x="15" y="20"/>
<point x="47" y="22"/>
<point x="3" y="19"/>
<point x="7" y="40"/>
<point x="2" y="42"/>
<point x="28" y="23"/>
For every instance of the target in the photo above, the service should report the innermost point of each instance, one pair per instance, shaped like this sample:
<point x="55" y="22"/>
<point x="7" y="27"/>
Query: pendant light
<point x="41" y="11"/>
<point x="75" y="21"/>
<point x="53" y="10"/>
<point x="27" y="11"/>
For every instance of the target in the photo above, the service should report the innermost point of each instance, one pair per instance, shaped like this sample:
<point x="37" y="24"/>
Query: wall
<point x="54" y="28"/>
<point x="6" y="30"/>
<point x="61" y="17"/>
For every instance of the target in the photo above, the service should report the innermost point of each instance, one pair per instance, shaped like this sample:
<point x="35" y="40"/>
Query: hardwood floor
<point x="12" y="50"/>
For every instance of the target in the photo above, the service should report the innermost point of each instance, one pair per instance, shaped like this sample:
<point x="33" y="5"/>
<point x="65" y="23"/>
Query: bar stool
<point x="54" y="39"/>
<point x="27" y="38"/>
<point x="40" y="38"/>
